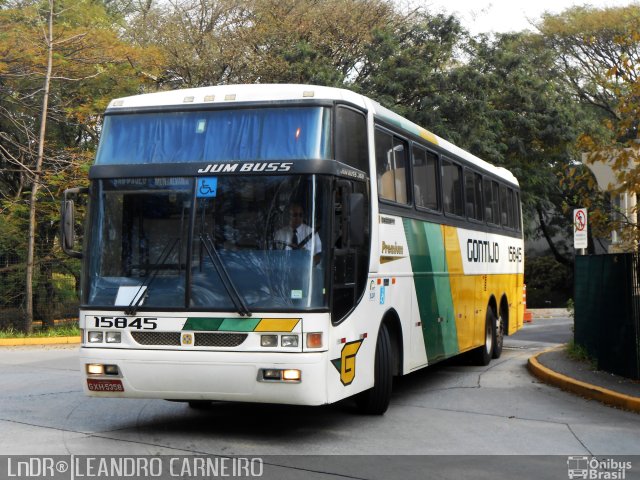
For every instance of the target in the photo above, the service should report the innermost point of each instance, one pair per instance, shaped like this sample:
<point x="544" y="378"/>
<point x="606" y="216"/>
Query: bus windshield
<point x="191" y="243"/>
<point x="284" y="133"/>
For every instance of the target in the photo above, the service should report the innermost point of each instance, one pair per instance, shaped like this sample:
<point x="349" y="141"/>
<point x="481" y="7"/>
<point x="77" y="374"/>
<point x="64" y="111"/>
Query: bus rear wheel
<point x="482" y="355"/>
<point x="375" y="401"/>
<point x="498" y="336"/>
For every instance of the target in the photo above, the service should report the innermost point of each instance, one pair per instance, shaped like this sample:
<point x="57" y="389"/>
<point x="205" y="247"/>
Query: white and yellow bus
<point x="408" y="250"/>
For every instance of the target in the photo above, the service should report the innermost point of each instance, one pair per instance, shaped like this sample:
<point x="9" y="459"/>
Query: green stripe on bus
<point x="202" y="324"/>
<point x="239" y="324"/>
<point x="221" y="324"/>
<point x="433" y="289"/>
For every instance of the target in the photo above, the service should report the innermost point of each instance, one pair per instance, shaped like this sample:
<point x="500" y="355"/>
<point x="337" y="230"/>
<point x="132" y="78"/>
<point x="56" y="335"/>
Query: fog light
<point x="95" y="369"/>
<point x="268" y="340"/>
<point x="314" y="340"/>
<point x="289" y="341"/>
<point x="111" y="370"/>
<point x="271" y="374"/>
<point x="291" y="375"/>
<point x="113" y="337"/>
<point x="95" y="337"/>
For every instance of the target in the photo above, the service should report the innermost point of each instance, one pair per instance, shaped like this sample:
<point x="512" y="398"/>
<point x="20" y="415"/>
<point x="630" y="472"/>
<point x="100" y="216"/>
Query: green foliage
<point x="571" y="307"/>
<point x="580" y="354"/>
<point x="68" y="330"/>
<point x="549" y="283"/>
<point x="598" y="51"/>
<point x="90" y="66"/>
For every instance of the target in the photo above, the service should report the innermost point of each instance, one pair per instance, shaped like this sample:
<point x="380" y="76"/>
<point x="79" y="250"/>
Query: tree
<point x="60" y="63"/>
<point x="599" y="54"/>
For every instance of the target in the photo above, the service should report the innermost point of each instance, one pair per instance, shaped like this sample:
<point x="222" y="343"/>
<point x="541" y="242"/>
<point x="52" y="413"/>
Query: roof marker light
<point x="209" y="98"/>
<point x="230" y="97"/>
<point x="187" y="99"/>
<point x="308" y="94"/>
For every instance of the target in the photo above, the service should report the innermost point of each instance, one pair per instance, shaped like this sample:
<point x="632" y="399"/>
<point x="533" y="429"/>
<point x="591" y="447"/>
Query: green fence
<point x="607" y="311"/>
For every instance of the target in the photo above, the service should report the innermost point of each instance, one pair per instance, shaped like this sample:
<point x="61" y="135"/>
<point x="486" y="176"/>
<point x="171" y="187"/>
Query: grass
<point x="579" y="353"/>
<point x="69" y="330"/>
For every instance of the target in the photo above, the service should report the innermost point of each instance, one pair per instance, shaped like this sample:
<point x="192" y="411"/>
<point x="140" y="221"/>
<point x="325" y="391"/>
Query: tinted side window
<point x="351" y="138"/>
<point x="452" y="188"/>
<point x="495" y="206"/>
<point x="391" y="161"/>
<point x="518" y="210"/>
<point x="425" y="188"/>
<point x="511" y="210"/>
<point x="504" y="207"/>
<point x="488" y="212"/>
<point x="473" y="195"/>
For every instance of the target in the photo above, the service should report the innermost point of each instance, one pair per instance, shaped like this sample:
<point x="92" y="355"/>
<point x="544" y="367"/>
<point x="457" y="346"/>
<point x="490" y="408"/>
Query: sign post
<point x="580" y="237"/>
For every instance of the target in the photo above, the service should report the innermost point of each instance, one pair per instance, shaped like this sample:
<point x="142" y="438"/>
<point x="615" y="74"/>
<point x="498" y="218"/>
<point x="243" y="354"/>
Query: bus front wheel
<point x="375" y="401"/>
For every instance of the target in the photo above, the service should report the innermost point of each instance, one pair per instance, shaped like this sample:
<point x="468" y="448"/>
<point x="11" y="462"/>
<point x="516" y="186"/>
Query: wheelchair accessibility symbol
<point x="207" y="187"/>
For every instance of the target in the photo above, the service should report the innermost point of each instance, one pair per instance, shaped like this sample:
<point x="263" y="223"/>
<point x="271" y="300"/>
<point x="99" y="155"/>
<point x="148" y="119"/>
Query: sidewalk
<point x="556" y="368"/>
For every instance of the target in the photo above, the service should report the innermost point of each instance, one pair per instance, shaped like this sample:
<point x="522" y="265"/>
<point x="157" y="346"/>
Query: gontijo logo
<point x="346" y="364"/>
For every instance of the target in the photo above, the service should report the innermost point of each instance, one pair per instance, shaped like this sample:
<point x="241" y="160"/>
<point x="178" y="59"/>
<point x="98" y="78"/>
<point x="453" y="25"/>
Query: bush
<point x="549" y="283"/>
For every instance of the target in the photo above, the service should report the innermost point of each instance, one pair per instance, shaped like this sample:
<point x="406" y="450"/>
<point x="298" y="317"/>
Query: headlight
<point x="114" y="337"/>
<point x="289" y="340"/>
<point x="268" y="340"/>
<point x="95" y="337"/>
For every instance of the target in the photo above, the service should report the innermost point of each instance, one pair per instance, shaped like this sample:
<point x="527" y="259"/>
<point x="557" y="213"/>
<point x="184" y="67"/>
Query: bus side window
<point x="425" y="186"/>
<point x="504" y="207"/>
<point x="391" y="161"/>
<point x="452" y="188"/>
<point x="518" y="208"/>
<point x="495" y="206"/>
<point x="511" y="211"/>
<point x="351" y="138"/>
<point x="473" y="195"/>
<point x="488" y="211"/>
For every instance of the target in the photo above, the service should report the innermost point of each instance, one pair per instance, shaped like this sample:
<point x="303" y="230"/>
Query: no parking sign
<point x="580" y="238"/>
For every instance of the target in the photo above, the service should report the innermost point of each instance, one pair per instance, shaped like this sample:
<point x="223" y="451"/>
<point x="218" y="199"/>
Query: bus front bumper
<point x="198" y="375"/>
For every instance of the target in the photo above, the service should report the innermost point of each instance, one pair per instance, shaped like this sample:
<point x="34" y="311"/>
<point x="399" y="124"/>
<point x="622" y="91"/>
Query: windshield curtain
<point x="143" y="231"/>
<point x="283" y="133"/>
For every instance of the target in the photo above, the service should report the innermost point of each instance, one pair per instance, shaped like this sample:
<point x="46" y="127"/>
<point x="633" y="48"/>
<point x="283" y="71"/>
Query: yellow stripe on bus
<point x="277" y="325"/>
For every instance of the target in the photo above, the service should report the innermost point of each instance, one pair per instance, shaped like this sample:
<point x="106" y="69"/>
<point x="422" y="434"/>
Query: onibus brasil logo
<point x="594" y="468"/>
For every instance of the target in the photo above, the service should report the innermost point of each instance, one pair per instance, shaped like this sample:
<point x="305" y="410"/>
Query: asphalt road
<point x="447" y="409"/>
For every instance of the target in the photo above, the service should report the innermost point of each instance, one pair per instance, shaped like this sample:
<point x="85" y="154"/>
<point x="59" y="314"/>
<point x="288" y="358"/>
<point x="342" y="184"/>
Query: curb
<point x="584" y="389"/>
<point x="18" y="342"/>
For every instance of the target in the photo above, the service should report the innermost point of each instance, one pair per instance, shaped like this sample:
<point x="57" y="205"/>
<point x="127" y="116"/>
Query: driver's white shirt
<point x="285" y="234"/>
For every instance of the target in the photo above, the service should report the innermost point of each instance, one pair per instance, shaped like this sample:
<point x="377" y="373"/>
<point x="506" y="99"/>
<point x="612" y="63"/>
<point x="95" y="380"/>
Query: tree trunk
<point x="28" y="324"/>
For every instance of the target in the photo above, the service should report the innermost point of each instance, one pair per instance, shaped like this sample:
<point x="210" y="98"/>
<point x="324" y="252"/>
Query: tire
<point x="482" y="355"/>
<point x="498" y="337"/>
<point x="375" y="401"/>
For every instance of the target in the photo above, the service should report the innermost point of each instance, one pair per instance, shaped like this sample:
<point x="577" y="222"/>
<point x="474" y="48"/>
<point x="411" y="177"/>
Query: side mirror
<point x="67" y="222"/>
<point x="356" y="219"/>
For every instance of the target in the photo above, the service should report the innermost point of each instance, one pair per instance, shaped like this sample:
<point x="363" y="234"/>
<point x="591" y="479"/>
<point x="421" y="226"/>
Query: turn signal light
<point x="314" y="340"/>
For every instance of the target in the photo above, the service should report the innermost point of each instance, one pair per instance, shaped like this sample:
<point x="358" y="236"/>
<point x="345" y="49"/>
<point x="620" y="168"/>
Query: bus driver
<point x="297" y="234"/>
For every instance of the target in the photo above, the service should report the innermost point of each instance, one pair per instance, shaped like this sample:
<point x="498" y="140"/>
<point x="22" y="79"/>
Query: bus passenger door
<point x="350" y="244"/>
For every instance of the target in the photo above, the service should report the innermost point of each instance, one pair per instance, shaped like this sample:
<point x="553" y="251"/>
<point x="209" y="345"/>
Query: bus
<point x="409" y="250"/>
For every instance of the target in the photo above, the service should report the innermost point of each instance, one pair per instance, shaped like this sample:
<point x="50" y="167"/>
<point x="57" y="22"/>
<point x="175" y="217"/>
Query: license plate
<point x="105" y="385"/>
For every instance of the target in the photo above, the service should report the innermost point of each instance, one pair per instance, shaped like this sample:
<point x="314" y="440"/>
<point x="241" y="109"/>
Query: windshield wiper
<point x="231" y="289"/>
<point x="137" y="298"/>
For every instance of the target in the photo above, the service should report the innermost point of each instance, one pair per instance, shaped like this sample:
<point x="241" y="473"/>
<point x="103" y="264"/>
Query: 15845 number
<point x="139" y="323"/>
